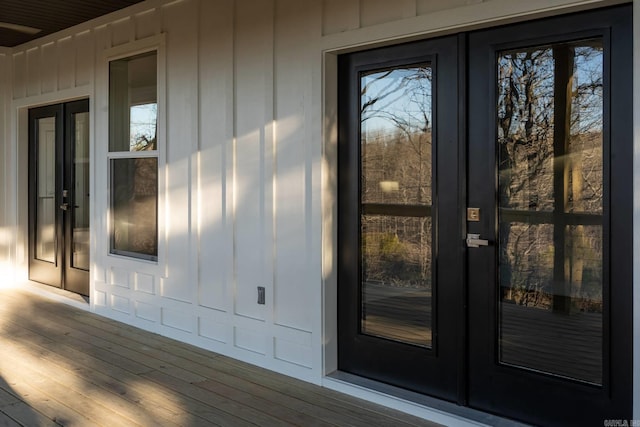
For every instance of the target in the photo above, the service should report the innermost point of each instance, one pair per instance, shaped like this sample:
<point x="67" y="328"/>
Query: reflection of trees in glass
<point x="396" y="250"/>
<point x="549" y="124"/>
<point x="396" y="173"/>
<point x="143" y="127"/>
<point x="134" y="206"/>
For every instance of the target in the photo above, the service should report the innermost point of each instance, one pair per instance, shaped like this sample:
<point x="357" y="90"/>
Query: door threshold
<point x="57" y="294"/>
<point x="420" y="405"/>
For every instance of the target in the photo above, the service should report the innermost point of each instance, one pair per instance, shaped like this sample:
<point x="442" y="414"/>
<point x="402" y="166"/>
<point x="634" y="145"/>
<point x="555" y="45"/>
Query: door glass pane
<point x="80" y="222"/>
<point x="46" y="190"/>
<point x="396" y="224"/>
<point x="549" y="126"/>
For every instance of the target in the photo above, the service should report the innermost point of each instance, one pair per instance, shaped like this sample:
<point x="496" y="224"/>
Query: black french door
<point x="484" y="208"/>
<point x="59" y="196"/>
<point x="550" y="310"/>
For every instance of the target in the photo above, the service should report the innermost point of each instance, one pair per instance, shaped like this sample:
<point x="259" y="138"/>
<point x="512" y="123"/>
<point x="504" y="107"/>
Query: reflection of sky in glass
<point x="396" y="99"/>
<point x="538" y="65"/>
<point x="143" y="127"/>
<point x="587" y="88"/>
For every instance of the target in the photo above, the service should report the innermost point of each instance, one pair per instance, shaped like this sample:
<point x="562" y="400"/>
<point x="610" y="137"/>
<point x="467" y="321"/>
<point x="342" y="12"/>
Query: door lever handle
<point x="64" y="206"/>
<point x="474" y="241"/>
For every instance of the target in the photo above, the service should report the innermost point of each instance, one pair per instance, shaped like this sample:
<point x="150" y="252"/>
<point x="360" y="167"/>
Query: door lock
<point x="474" y="241"/>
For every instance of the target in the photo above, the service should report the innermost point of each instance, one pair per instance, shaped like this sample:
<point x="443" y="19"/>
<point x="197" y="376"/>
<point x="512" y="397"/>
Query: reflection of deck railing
<point x="397" y="313"/>
<point x="568" y="345"/>
<point x="549" y="217"/>
<point x="395" y="209"/>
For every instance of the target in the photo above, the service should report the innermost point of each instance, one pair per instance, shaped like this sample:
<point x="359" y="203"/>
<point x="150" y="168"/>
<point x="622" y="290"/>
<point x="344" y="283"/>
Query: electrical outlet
<point x="261" y="294"/>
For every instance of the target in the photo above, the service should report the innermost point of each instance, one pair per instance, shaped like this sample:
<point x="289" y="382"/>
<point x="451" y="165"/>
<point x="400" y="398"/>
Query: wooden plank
<point x="148" y="404"/>
<point x="56" y="385"/>
<point x="224" y="407"/>
<point x="21" y="413"/>
<point x="51" y="408"/>
<point x="115" y="351"/>
<point x="195" y="407"/>
<point x="75" y="355"/>
<point x="282" y="412"/>
<point x="155" y="406"/>
<point x="7" y="396"/>
<point x="208" y="364"/>
<point x="7" y="421"/>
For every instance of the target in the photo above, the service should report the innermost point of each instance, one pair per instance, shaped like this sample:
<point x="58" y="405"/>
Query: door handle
<point x="474" y="241"/>
<point x="64" y="206"/>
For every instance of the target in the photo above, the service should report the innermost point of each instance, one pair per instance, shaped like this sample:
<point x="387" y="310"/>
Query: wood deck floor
<point x="60" y="366"/>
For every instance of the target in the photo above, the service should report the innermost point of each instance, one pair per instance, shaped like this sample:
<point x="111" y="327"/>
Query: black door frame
<point x="615" y="398"/>
<point x="358" y="352"/>
<point x="61" y="273"/>
<point x="39" y="270"/>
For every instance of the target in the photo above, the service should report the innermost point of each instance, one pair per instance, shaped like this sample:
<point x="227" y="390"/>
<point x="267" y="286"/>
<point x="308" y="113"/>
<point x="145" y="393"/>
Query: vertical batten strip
<point x="636" y="215"/>
<point x="233" y="289"/>
<point x="270" y="182"/>
<point x="194" y="169"/>
<point x="253" y="168"/>
<point x="313" y="152"/>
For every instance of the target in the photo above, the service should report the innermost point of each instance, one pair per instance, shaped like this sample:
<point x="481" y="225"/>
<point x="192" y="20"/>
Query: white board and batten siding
<point x="246" y="157"/>
<point x="239" y="177"/>
<point x="6" y="232"/>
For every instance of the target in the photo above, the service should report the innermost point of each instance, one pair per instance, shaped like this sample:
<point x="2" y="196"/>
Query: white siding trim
<point x="399" y="404"/>
<point x="636" y="209"/>
<point x="473" y="16"/>
<point x="329" y="213"/>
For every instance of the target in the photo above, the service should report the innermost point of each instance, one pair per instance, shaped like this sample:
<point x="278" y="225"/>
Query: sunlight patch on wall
<point x="6" y="266"/>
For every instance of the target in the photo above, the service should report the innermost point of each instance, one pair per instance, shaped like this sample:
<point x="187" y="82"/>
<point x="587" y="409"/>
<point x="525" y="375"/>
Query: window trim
<point x="155" y="44"/>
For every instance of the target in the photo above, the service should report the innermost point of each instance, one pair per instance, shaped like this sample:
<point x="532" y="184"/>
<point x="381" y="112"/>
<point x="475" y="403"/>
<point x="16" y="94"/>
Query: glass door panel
<point x="396" y="225"/>
<point x="45" y="217"/>
<point x="80" y="212"/>
<point x="551" y="189"/>
<point x="77" y="170"/>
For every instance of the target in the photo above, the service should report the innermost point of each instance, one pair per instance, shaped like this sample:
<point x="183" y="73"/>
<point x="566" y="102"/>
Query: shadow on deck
<point x="63" y="366"/>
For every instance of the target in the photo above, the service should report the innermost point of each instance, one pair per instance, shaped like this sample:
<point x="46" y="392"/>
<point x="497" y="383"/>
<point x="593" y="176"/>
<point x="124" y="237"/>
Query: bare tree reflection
<point x="550" y="163"/>
<point x="396" y="197"/>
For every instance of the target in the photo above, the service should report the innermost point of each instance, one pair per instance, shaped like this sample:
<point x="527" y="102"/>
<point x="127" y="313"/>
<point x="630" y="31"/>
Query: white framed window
<point x="133" y="155"/>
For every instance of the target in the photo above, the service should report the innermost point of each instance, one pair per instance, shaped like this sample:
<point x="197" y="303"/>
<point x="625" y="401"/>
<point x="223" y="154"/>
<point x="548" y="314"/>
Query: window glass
<point x="133" y="157"/>
<point x="133" y="107"/>
<point x="134" y="207"/>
